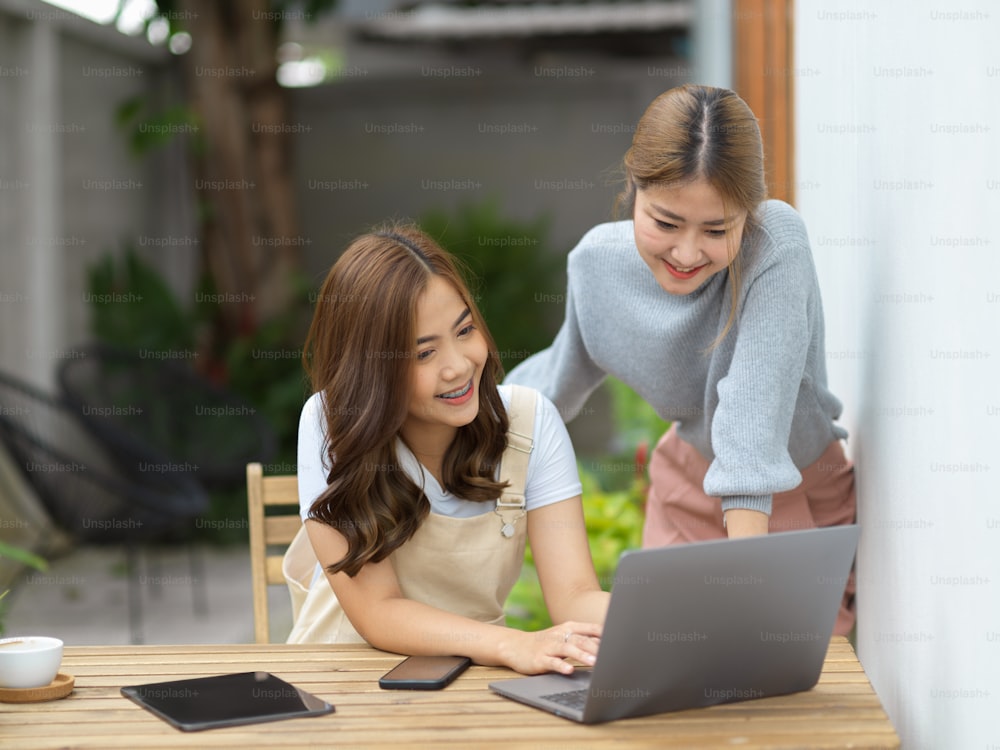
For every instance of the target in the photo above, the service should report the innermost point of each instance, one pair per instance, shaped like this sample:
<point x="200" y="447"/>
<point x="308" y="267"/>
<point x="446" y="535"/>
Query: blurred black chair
<point x="84" y="486"/>
<point x="139" y="403"/>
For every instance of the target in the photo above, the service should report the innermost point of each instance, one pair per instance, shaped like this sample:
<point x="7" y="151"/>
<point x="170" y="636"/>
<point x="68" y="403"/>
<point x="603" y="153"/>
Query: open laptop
<point x="704" y="623"/>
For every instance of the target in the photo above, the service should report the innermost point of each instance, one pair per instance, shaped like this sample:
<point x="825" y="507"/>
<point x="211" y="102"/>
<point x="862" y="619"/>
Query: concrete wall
<point x="898" y="108"/>
<point x="540" y="139"/>
<point x="70" y="190"/>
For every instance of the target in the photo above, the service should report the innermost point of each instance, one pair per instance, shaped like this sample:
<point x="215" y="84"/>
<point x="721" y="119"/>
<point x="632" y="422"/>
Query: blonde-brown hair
<point x="359" y="354"/>
<point x="700" y="132"/>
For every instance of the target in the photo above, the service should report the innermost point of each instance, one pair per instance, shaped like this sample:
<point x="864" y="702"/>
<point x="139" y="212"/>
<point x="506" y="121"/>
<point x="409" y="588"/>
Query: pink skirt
<point x="679" y="511"/>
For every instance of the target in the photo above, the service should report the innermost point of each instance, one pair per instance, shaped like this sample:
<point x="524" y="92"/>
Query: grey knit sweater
<point x="756" y="406"/>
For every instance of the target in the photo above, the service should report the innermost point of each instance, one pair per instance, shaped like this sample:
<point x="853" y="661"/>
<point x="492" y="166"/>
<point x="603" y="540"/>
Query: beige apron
<point x="463" y="565"/>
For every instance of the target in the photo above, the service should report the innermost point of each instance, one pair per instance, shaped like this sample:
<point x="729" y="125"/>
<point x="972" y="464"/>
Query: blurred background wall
<point x="69" y="189"/>
<point x="898" y="170"/>
<point x="401" y="145"/>
<point x="532" y="122"/>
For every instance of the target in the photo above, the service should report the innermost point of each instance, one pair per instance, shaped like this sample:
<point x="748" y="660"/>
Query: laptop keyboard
<point x="570" y="698"/>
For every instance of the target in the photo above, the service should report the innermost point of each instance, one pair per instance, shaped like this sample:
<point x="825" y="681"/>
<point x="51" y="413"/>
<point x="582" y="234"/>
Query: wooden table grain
<point x="841" y="711"/>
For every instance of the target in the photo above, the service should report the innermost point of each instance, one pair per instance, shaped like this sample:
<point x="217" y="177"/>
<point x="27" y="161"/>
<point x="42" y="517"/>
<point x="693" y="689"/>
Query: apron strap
<point x="514" y="463"/>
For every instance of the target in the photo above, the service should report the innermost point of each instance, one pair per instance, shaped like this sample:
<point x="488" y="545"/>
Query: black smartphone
<point x="424" y="672"/>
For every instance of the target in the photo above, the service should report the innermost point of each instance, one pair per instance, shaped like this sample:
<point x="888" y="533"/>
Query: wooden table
<point x="841" y="711"/>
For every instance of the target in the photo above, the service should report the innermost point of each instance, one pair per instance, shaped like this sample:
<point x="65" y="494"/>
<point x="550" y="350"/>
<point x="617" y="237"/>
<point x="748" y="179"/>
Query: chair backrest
<point x="270" y="535"/>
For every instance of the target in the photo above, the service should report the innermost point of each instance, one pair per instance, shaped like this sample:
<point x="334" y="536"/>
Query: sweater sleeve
<point x="758" y="395"/>
<point x="565" y="372"/>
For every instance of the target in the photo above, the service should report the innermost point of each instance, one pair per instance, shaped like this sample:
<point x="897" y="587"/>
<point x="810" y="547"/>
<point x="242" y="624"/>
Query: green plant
<point x="614" y="524"/>
<point x="637" y="430"/>
<point x="265" y="367"/>
<point x="613" y="504"/>
<point x="133" y="307"/>
<point x="514" y="274"/>
<point x="148" y="130"/>
<point x="25" y="557"/>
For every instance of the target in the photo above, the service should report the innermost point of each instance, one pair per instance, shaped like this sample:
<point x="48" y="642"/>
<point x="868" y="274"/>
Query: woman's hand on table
<point x="548" y="650"/>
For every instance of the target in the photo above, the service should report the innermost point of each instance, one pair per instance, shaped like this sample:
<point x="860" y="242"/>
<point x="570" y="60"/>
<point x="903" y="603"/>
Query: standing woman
<point x="706" y="303"/>
<point x="420" y="479"/>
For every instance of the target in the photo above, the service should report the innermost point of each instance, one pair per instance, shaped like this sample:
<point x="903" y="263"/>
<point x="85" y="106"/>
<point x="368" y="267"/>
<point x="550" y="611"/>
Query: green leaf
<point x="23" y="556"/>
<point x="132" y="306"/>
<point x="515" y="277"/>
<point x="128" y="110"/>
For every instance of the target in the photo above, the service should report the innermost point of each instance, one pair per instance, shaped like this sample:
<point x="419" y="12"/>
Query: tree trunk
<point x="244" y="186"/>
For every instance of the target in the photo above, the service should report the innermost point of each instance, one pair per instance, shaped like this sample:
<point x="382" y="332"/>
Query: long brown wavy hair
<point x="692" y="132"/>
<point x="359" y="354"/>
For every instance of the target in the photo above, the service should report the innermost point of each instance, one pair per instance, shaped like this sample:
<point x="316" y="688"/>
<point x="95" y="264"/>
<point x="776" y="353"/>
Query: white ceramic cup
<point x="32" y="663"/>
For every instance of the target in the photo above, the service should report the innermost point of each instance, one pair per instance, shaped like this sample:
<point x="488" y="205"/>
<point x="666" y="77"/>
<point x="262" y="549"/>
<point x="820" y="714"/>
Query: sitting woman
<point x="420" y="479"/>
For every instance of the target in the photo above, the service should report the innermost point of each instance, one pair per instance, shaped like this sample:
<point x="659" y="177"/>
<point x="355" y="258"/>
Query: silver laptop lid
<point x="713" y="622"/>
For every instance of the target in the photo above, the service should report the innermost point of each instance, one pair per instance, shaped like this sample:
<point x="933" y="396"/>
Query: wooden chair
<point x="269" y="536"/>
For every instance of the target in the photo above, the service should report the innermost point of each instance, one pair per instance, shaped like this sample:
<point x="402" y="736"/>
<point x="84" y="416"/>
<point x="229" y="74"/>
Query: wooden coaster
<point x="60" y="687"/>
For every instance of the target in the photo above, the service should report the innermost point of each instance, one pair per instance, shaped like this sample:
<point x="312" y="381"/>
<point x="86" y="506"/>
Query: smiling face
<point x="450" y="353"/>
<point x="684" y="235"/>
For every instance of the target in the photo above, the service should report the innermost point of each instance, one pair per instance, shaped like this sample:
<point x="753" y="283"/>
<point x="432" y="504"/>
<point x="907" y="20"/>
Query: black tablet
<point x="226" y="700"/>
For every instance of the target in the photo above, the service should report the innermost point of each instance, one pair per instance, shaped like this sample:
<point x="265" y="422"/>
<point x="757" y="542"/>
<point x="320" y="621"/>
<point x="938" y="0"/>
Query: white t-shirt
<point x="552" y="473"/>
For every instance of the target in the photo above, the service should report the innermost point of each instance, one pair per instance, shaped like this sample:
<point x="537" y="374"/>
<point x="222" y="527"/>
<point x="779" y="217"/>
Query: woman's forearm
<point x="404" y="626"/>
<point x="590" y="605"/>
<point x="745" y="522"/>
<point x="408" y="627"/>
